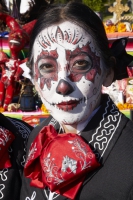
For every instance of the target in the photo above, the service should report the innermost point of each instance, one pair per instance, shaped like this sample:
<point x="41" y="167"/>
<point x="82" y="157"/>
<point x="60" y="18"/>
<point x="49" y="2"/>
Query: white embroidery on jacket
<point x="2" y="187"/>
<point x="50" y="195"/>
<point x="53" y="122"/>
<point x="24" y="156"/>
<point x="105" y="131"/>
<point x="22" y="128"/>
<point x="25" y="132"/>
<point x="3" y="175"/>
<point x="33" y="196"/>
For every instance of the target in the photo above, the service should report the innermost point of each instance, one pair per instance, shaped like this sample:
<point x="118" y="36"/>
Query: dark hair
<point x="79" y="14"/>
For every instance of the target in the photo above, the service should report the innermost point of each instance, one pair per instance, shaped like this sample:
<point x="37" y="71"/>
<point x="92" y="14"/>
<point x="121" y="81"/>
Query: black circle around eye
<point x="81" y="66"/>
<point x="46" y="66"/>
<point x="82" y="62"/>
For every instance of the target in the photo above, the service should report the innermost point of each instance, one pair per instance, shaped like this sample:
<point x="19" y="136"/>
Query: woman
<point x="70" y="61"/>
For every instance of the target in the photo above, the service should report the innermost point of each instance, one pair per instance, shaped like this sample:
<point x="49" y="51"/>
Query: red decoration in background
<point x="11" y="72"/>
<point x="18" y="38"/>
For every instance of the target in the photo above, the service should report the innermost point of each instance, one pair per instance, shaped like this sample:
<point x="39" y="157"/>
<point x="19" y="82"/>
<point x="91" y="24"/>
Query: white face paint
<point x="68" y="72"/>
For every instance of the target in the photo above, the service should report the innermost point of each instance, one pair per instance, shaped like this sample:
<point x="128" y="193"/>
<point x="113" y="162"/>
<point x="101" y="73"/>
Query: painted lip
<point x="69" y="105"/>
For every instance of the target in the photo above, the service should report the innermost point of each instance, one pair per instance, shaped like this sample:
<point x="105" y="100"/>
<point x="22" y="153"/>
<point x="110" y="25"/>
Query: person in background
<point x="14" y="135"/>
<point x="84" y="149"/>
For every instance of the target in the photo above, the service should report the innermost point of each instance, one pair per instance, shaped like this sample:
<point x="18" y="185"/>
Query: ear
<point x="36" y="86"/>
<point x="109" y="78"/>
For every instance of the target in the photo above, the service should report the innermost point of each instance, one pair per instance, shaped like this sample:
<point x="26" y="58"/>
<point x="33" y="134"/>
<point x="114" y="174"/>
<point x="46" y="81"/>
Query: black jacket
<point x="110" y="134"/>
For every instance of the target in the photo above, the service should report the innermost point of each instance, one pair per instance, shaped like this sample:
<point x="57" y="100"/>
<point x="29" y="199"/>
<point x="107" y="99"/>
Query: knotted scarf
<point x="59" y="162"/>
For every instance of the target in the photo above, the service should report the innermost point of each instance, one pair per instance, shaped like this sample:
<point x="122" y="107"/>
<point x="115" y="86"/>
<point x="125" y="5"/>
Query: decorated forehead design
<point x="59" y="37"/>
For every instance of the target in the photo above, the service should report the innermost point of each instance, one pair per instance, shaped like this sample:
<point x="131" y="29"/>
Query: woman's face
<point x="68" y="72"/>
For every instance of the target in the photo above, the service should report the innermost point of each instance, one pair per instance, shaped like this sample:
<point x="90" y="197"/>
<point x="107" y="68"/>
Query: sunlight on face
<point x="67" y="72"/>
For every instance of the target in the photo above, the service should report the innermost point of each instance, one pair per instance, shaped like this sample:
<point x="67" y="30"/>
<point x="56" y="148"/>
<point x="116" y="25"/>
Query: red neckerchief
<point x="6" y="138"/>
<point x="59" y="161"/>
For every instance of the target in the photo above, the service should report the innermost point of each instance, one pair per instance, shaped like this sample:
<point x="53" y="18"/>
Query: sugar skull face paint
<point x="68" y="72"/>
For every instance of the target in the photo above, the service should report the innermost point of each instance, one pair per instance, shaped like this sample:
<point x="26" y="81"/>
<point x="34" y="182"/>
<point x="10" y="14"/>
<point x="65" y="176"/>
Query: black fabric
<point x="11" y="178"/>
<point x="110" y="134"/>
<point x="123" y="59"/>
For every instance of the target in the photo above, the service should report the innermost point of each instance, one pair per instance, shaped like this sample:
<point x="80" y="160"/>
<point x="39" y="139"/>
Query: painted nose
<point x="64" y="88"/>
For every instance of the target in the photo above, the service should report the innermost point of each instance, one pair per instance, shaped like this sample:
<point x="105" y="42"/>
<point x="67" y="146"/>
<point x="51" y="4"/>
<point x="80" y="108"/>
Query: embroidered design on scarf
<point x="51" y="171"/>
<point x="107" y="128"/>
<point x="81" y="152"/>
<point x="69" y="165"/>
<point x="6" y="139"/>
<point x="5" y="136"/>
<point x="31" y="153"/>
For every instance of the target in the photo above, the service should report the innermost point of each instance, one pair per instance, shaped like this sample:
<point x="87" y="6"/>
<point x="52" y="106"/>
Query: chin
<point x="66" y="118"/>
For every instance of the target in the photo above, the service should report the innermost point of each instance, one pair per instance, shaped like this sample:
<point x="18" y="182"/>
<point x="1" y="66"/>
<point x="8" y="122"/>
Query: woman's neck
<point x="70" y="128"/>
<point x="77" y="128"/>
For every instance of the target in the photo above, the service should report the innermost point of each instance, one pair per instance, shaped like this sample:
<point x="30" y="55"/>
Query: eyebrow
<point x="73" y="55"/>
<point x="48" y="54"/>
<point x="84" y="49"/>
